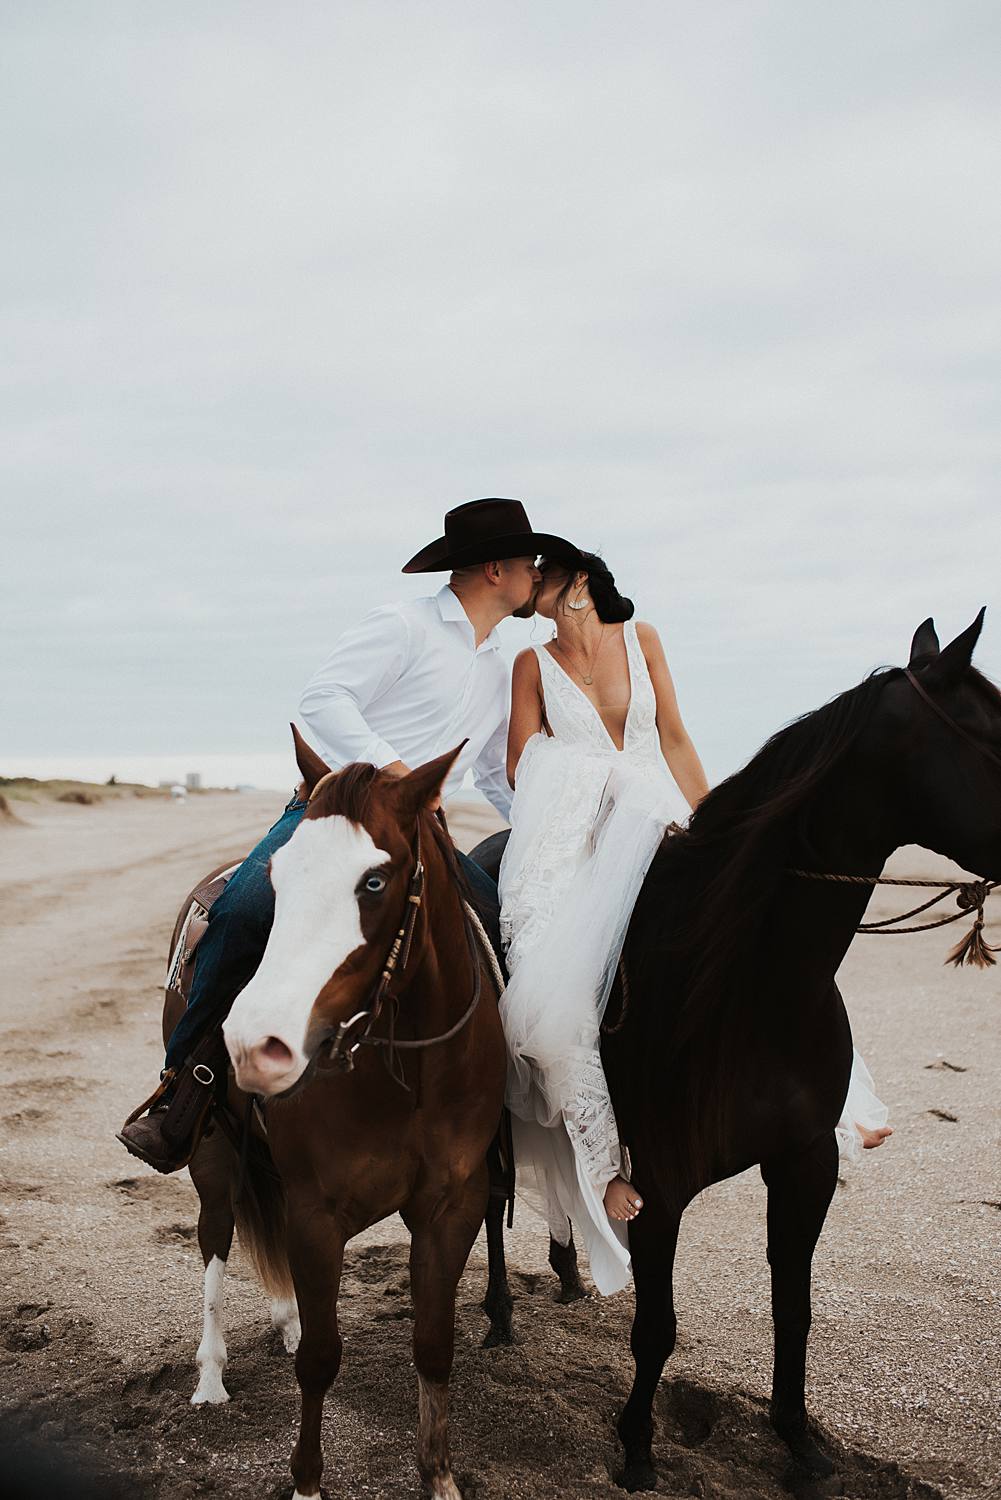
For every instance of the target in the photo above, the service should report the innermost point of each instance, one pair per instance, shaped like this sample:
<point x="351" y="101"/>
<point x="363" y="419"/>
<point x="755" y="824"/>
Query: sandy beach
<point x="100" y="1277"/>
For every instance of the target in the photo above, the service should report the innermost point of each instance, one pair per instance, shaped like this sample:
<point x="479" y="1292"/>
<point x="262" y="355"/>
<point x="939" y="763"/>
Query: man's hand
<point x="398" y="768"/>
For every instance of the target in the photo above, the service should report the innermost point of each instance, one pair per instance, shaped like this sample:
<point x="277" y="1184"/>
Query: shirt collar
<point x="450" y="608"/>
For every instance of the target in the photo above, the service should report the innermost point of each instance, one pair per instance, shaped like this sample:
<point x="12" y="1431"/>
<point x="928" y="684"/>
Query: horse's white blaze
<point x="211" y="1356"/>
<point x="285" y="1317"/>
<point x="317" y="926"/>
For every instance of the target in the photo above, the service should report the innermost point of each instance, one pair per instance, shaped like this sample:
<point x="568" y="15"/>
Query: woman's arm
<point x="675" y="742"/>
<point x="526" y="707"/>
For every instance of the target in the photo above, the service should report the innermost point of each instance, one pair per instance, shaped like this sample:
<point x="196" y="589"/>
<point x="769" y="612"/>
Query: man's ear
<point x="309" y="763"/>
<point x="953" y="660"/>
<point x="925" y="642"/>
<point x="423" y="786"/>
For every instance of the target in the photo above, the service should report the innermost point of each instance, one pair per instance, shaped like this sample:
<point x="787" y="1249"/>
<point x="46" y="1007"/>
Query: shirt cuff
<point x="380" y="753"/>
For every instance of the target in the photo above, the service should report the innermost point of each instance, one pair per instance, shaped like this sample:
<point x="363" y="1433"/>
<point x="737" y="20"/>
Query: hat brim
<point x="436" y="558"/>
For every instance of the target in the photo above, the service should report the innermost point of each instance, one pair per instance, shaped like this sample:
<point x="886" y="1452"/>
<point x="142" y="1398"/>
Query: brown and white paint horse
<point x="353" y="1147"/>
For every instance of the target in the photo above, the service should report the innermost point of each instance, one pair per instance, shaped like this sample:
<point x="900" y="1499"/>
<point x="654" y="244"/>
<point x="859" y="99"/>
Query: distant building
<point x="193" y="781"/>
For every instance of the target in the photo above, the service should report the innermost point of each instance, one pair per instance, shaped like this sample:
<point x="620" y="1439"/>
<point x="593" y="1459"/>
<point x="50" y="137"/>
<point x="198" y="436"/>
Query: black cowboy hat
<point x="489" y="531"/>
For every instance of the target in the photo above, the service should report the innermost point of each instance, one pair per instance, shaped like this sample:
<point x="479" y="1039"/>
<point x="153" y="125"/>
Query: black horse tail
<point x="261" y="1215"/>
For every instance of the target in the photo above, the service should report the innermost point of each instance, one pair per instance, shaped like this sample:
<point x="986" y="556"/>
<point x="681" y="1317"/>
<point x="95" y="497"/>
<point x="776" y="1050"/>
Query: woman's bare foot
<point x="872" y="1138"/>
<point x="622" y="1201"/>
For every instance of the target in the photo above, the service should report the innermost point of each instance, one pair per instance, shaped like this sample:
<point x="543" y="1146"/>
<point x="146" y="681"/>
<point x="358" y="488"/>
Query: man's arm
<point x="366" y="660"/>
<point x="490" y="772"/>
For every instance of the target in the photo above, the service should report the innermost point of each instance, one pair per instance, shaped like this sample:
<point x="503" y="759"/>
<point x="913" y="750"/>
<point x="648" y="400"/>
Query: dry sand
<point x="100" y="1279"/>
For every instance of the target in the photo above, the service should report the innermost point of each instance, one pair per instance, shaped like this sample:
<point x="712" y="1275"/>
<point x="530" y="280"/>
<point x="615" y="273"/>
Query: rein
<point x="970" y="894"/>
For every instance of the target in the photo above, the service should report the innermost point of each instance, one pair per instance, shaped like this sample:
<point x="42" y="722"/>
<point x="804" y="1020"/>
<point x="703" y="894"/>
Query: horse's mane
<point x="348" y="793"/>
<point x="701" y="908"/>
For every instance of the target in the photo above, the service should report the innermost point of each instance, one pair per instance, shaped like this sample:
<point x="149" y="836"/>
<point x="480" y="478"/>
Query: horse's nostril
<point x="275" y="1051"/>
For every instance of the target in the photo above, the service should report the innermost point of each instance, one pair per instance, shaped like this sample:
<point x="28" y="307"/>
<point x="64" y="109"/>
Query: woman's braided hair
<point x="609" y="604"/>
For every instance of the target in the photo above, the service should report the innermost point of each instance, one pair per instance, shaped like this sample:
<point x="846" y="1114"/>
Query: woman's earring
<point x="578" y="603"/>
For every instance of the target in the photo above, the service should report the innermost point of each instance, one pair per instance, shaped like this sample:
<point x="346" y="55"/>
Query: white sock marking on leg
<point x="211" y="1356"/>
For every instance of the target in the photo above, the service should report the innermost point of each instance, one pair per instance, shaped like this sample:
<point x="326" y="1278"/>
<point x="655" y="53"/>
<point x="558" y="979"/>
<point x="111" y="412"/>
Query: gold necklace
<point x="588" y="677"/>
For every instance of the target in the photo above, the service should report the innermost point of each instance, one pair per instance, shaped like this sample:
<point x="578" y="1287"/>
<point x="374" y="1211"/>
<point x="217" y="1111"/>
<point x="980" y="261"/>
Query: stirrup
<point x="167" y="1077"/>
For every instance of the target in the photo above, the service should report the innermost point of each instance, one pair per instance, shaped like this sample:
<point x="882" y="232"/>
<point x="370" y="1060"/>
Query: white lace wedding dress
<point x="586" y="821"/>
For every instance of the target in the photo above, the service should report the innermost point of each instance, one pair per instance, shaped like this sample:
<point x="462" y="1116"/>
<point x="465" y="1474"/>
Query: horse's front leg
<point x="316" y="1254"/>
<point x="800" y="1189"/>
<point x="653" y="1240"/>
<point x="441" y="1239"/>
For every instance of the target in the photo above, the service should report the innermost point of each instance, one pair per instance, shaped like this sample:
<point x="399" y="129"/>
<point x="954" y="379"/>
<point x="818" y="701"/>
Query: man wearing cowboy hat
<point x="401" y="687"/>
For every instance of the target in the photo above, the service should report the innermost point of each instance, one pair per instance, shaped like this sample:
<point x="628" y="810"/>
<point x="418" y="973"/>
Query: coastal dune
<point x="100" y="1277"/>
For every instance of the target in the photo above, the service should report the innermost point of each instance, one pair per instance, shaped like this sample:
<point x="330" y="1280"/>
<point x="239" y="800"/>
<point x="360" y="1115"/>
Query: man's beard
<point x="527" y="610"/>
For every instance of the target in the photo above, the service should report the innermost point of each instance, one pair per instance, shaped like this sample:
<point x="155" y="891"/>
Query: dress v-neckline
<point x="594" y="707"/>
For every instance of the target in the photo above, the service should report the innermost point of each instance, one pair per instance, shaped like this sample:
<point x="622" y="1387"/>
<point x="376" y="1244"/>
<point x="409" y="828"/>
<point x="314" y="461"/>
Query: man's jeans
<point x="239" y="923"/>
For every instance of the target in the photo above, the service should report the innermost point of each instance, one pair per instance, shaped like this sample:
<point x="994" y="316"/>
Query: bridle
<point x="340" y="1043"/>
<point x="948" y="719"/>
<point x="970" y="894"/>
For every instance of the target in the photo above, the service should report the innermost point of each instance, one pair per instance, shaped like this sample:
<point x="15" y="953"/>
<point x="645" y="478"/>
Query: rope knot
<point x="972" y="894"/>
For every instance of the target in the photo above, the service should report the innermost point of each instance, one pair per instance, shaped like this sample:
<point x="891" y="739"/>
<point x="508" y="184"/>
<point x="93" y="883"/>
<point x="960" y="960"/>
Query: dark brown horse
<point x="734" y="1048"/>
<point x="366" y="888"/>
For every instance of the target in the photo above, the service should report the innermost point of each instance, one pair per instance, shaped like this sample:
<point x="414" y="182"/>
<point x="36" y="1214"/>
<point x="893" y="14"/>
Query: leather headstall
<point x="349" y="1035"/>
<point x="948" y="719"/>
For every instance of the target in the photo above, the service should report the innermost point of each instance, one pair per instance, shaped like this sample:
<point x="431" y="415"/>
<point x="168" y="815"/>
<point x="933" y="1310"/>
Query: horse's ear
<point x="423" y="787"/>
<point x="925" y="642"/>
<point x="953" y="660"/>
<point x="309" y="763"/>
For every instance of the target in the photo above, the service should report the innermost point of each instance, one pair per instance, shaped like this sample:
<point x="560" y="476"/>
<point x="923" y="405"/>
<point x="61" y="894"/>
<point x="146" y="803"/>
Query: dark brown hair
<point x="610" y="606"/>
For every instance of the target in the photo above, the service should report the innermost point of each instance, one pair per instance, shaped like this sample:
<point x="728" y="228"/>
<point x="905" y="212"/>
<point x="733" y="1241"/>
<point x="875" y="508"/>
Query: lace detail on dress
<point x="590" y="1120"/>
<point x="530" y="902"/>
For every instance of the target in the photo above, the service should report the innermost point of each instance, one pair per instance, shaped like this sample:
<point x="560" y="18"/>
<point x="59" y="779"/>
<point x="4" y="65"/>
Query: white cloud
<point x="713" y="287"/>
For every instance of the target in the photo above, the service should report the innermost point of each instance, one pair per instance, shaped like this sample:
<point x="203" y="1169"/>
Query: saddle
<point x="194" y="925"/>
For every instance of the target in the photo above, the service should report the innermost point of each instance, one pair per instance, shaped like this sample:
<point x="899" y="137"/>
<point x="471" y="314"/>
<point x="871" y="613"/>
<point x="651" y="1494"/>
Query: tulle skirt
<point x="585" y="827"/>
<point x="862" y="1107"/>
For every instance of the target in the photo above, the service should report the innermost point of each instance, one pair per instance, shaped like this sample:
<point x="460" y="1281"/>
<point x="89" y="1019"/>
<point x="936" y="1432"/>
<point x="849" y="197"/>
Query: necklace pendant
<point x="589" y="680"/>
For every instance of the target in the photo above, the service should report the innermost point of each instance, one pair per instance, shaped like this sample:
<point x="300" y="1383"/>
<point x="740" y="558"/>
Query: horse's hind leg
<point x="210" y="1173"/>
<point x="497" y="1302"/>
<point x="800" y="1189"/>
<point x="653" y="1239"/>
<point x="439" y="1248"/>
<point x="563" y="1259"/>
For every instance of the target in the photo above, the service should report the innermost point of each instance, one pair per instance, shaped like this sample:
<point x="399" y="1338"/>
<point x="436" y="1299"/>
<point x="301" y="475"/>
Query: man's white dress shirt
<point x="408" y="683"/>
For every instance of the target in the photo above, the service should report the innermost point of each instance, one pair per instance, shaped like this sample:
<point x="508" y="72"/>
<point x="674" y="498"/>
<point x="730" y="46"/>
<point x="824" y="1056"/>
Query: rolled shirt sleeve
<point x="366" y="661"/>
<point x="490" y="771"/>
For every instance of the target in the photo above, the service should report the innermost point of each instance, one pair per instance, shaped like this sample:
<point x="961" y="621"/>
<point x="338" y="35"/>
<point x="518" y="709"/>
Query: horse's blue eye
<point x="375" y="883"/>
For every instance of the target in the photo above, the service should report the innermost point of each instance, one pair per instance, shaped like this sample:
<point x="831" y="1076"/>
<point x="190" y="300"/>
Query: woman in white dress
<point x="602" y="765"/>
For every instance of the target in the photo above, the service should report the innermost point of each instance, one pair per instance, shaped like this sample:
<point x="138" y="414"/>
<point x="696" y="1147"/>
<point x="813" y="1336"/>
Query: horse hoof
<point x="574" y="1292"/>
<point x="637" y="1476"/>
<point x="210" y="1393"/>
<point x="497" y="1336"/>
<point x="812" y="1487"/>
<point x="809" y="1459"/>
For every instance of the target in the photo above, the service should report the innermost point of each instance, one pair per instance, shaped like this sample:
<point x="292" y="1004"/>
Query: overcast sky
<point x="712" y="287"/>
